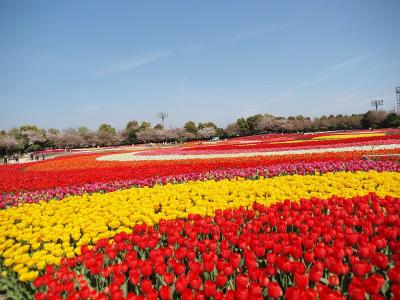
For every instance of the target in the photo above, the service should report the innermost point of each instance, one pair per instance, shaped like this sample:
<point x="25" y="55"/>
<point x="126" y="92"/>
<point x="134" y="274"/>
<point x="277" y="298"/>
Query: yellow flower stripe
<point x="348" y="136"/>
<point x="34" y="235"/>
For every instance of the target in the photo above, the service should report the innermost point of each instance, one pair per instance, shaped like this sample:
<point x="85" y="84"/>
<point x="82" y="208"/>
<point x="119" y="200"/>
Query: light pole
<point x="162" y="116"/>
<point x="376" y="103"/>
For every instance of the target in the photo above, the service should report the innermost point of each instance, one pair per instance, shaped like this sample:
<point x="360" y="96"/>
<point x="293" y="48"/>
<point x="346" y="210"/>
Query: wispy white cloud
<point x="257" y="32"/>
<point x="133" y="63"/>
<point x="347" y="63"/>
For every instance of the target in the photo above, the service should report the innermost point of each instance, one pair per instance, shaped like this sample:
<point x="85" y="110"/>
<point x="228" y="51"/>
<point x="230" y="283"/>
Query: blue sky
<point x="72" y="63"/>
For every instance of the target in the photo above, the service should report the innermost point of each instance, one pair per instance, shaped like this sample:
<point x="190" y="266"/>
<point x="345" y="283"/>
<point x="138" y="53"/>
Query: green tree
<point x="107" y="128"/>
<point x="373" y="119"/>
<point x="132" y="129"/>
<point x="242" y="126"/>
<point x="87" y="136"/>
<point x="392" y="121"/>
<point x="106" y="135"/>
<point x="190" y="126"/>
<point x="82" y="131"/>
<point x="158" y="126"/>
<point x="252" y="123"/>
<point x="145" y="125"/>
<point x="29" y="137"/>
<point x="205" y="125"/>
<point x="132" y="125"/>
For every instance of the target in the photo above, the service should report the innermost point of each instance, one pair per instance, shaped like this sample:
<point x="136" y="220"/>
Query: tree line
<point x="30" y="138"/>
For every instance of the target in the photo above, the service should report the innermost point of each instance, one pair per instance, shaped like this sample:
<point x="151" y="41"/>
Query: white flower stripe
<point x="137" y="157"/>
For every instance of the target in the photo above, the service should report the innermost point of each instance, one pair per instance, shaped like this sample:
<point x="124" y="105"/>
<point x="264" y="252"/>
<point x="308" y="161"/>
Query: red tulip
<point x="195" y="282"/>
<point x="394" y="275"/>
<point x="241" y="281"/>
<point x="293" y="293"/>
<point x="301" y="281"/>
<point x="187" y="294"/>
<point x="134" y="277"/>
<point x="274" y="290"/>
<point x="374" y="284"/>
<point x="221" y="280"/>
<point x="165" y="292"/>
<point x="168" y="278"/>
<point x="241" y="293"/>
<point x="209" y="288"/>
<point x="315" y="274"/>
<point x="333" y="280"/>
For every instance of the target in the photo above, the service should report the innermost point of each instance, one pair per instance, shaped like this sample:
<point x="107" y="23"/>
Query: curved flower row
<point x="271" y="146"/>
<point x="84" y="169"/>
<point x="272" y="142"/>
<point x="319" y="249"/>
<point x="300" y="168"/>
<point x="35" y="235"/>
<point x="146" y="157"/>
<point x="341" y="136"/>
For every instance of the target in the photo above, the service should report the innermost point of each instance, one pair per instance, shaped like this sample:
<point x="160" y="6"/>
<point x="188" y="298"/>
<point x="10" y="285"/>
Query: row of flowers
<point x="35" y="235"/>
<point x="300" y="168"/>
<point x="85" y="169"/>
<point x="271" y="148"/>
<point x="198" y="154"/>
<point x="266" y="143"/>
<point x="312" y="135"/>
<point x="318" y="249"/>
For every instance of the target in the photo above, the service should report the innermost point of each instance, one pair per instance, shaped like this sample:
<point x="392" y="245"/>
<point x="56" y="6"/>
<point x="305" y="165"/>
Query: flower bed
<point x="300" y="168"/>
<point x="299" y="226"/>
<point x="327" y="249"/>
<point x="85" y="169"/>
<point x="35" y="235"/>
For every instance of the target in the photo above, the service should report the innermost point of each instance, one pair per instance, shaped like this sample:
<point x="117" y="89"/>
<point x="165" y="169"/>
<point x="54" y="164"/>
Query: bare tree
<point x="106" y="135"/>
<point x="184" y="135"/>
<point x="54" y="137"/>
<point x="160" y="135"/>
<point x="206" y="132"/>
<point x="88" y="136"/>
<point x="70" y="138"/>
<point x="172" y="134"/>
<point x="7" y="143"/>
<point x="232" y="129"/>
<point x="266" y="123"/>
<point x="35" y="137"/>
<point x="146" y="136"/>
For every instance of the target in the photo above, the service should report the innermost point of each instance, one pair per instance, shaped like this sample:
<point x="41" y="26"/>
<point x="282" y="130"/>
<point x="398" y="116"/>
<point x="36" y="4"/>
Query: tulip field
<point x="274" y="216"/>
